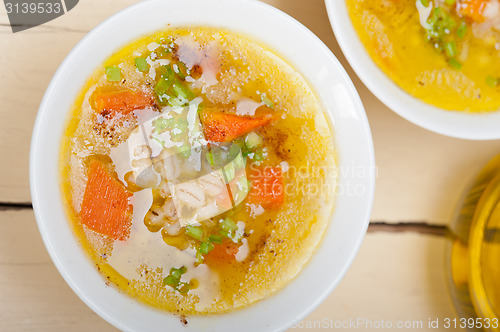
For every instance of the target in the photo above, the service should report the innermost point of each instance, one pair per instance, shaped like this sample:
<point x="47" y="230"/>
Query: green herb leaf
<point x="195" y="232"/>
<point x="175" y="273"/>
<point x="166" y="72"/>
<point x="229" y="172"/>
<point x="183" y="70"/>
<point x="177" y="102"/>
<point x="425" y="3"/>
<point x="454" y="63"/>
<point x="184" y="150"/>
<point x="181" y="124"/>
<point x="215" y="239"/>
<point x="441" y="24"/>
<point x="182" y="91"/>
<point x="206" y="247"/>
<point x="199" y="257"/>
<point x="210" y="158"/>
<point x="450" y="49"/>
<point x="174" y="280"/>
<point x="113" y="74"/>
<point x="244" y="184"/>
<point x="228" y="227"/>
<point x="234" y="150"/>
<point x="266" y="100"/>
<point x="162" y="86"/>
<point x="259" y="155"/>
<point x="492" y="81"/>
<point x="253" y="140"/>
<point x="184" y="288"/>
<point x="141" y="65"/>
<point x="162" y="124"/>
<point x="170" y="281"/>
<point x="462" y="29"/>
<point x="163" y="52"/>
<point x="239" y="162"/>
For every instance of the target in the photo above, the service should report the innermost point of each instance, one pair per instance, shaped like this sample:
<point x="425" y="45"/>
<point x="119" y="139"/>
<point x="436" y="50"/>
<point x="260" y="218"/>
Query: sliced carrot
<point x="105" y="206"/>
<point x="225" y="127"/>
<point x="124" y="101"/>
<point x="472" y="9"/>
<point x="224" y="252"/>
<point x="267" y="187"/>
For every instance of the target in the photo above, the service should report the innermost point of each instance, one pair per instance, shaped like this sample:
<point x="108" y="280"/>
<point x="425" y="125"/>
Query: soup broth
<point x="446" y="53"/>
<point x="198" y="169"/>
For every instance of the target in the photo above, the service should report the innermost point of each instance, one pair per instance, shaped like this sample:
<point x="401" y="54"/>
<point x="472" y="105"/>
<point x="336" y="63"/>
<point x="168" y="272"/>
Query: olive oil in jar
<point x="473" y="253"/>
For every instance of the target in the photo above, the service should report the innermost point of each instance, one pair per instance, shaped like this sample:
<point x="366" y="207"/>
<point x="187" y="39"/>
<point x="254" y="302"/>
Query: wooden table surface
<point x="398" y="274"/>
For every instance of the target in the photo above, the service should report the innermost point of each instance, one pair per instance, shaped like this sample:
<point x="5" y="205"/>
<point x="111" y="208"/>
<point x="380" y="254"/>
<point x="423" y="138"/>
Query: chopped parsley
<point x="174" y="280"/>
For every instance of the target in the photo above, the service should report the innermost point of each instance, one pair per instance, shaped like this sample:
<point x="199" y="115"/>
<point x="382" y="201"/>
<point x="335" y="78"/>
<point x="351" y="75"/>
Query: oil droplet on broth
<point x="143" y="248"/>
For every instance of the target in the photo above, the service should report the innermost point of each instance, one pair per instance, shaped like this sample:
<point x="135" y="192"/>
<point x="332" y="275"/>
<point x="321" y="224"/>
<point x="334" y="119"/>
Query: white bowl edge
<point x="67" y="255"/>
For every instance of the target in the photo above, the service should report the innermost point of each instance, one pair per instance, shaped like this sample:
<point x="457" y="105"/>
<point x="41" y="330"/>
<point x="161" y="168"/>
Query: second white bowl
<point x="476" y="126"/>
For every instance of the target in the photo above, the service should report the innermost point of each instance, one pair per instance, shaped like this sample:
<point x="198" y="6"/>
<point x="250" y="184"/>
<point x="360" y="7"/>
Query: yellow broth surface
<point x="455" y="68"/>
<point x="230" y="74"/>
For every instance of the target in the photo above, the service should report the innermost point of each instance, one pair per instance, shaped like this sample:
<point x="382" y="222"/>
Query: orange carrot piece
<point x="224" y="252"/>
<point x="224" y="127"/>
<point x="267" y="187"/>
<point x="124" y="101"/>
<point x="105" y="206"/>
<point x="472" y="9"/>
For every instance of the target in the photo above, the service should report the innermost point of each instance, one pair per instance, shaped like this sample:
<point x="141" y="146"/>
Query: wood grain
<point x="396" y="276"/>
<point x="420" y="174"/>
<point x="33" y="296"/>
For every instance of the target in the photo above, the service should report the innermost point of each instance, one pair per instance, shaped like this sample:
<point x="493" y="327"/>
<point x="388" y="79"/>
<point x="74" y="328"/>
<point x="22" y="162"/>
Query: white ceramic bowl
<point x="303" y="51"/>
<point x="478" y="126"/>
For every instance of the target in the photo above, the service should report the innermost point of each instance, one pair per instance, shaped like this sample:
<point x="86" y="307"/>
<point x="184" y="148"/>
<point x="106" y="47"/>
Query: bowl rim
<point x="45" y="210"/>
<point x="458" y="124"/>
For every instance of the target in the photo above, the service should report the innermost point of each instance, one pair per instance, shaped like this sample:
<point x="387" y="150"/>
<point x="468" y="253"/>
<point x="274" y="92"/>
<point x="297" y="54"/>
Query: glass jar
<point x="473" y="253"/>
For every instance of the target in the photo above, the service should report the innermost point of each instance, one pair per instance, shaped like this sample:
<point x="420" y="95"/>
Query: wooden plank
<point x="28" y="67"/>
<point x="396" y="276"/>
<point x="30" y="59"/>
<point x="33" y="296"/>
<point x="83" y="18"/>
